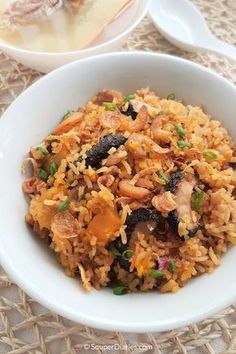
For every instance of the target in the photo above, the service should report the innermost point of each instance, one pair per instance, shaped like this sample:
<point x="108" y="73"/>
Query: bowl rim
<point x="88" y="50"/>
<point x="93" y="321"/>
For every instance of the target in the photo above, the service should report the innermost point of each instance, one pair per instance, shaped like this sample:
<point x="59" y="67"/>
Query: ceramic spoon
<point x="184" y="26"/>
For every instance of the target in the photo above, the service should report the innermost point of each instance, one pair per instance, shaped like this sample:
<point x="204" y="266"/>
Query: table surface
<point x="26" y="326"/>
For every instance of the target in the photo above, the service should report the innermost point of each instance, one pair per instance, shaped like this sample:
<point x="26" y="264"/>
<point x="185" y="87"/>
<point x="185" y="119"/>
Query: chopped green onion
<point x="182" y="144"/>
<point x="161" y="113"/>
<point x="115" y="251"/>
<point x="64" y="205"/>
<point x="128" y="98"/>
<point x="68" y="112"/>
<point x="162" y="176"/>
<point x="110" y="106"/>
<point x="43" y="150"/>
<point x="172" y="267"/>
<point x="209" y="155"/>
<point x="180" y="130"/>
<point x="197" y="198"/>
<point x="171" y="96"/>
<point x="43" y="175"/>
<point x="53" y="168"/>
<point x="156" y="273"/>
<point x="114" y="284"/>
<point x="120" y="290"/>
<point x="127" y="254"/>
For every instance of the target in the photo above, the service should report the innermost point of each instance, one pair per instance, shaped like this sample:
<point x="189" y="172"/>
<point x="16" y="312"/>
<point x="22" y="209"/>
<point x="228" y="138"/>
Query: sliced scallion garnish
<point x="209" y="155"/>
<point x="180" y="130"/>
<point x="114" y="251"/>
<point x="53" y="168"/>
<point x="182" y="144"/>
<point x="128" y="98"/>
<point x="197" y="198"/>
<point x="69" y="111"/>
<point x="161" y="175"/>
<point x="127" y="254"/>
<point x="120" y="290"/>
<point x="43" y="175"/>
<point x="64" y="205"/>
<point x="156" y="273"/>
<point x="42" y="149"/>
<point x="110" y="106"/>
<point x="172" y="267"/>
<point x="171" y="96"/>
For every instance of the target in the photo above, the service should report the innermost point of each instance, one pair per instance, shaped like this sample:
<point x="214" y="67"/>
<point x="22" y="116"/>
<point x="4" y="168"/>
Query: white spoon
<point x="184" y="26"/>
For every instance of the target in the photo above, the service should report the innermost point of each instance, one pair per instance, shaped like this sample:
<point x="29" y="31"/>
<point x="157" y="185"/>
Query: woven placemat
<point x="26" y="326"/>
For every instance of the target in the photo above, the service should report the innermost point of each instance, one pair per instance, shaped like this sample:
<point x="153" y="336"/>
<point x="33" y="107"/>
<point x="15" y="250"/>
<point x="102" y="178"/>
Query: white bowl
<point x="111" y="39"/>
<point x="27" y="259"/>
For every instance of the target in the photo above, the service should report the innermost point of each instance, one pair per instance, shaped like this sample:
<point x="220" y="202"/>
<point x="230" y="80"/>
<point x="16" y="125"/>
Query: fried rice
<point x="135" y="192"/>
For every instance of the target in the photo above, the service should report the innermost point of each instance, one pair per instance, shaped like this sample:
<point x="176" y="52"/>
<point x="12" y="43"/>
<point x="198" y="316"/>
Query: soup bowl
<point x="111" y="39"/>
<point x="25" y="256"/>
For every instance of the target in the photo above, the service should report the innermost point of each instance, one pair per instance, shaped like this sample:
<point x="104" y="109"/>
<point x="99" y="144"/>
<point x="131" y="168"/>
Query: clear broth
<point x="58" y="33"/>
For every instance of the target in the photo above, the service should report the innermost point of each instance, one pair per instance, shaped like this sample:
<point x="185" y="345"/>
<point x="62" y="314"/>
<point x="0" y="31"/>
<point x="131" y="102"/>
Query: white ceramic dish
<point x="183" y="25"/>
<point x="29" y="262"/>
<point x="111" y="39"/>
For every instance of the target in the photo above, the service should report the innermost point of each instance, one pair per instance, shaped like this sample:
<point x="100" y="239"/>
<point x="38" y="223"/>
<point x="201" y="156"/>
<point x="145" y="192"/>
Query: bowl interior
<point x="120" y="23"/>
<point x="29" y="262"/>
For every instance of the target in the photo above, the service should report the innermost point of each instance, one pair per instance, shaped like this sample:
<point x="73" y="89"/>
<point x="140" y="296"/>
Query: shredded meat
<point x="183" y="198"/>
<point x="182" y="185"/>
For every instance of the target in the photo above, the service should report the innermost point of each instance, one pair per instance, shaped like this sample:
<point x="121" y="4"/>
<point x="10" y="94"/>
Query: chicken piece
<point x="22" y="12"/>
<point x="182" y="186"/>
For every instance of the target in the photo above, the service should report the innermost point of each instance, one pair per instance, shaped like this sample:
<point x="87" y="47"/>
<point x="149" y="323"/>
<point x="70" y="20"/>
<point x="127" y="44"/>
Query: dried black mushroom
<point x="100" y="151"/>
<point x="173" y="221"/>
<point x="141" y="215"/>
<point x="182" y="185"/>
<point x="118" y="248"/>
<point x="233" y="165"/>
<point x="194" y="230"/>
<point x="129" y="111"/>
<point x="174" y="180"/>
<point x="112" y="274"/>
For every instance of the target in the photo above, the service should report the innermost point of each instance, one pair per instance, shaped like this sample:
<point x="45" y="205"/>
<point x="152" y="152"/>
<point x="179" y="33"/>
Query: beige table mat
<point x="26" y="326"/>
